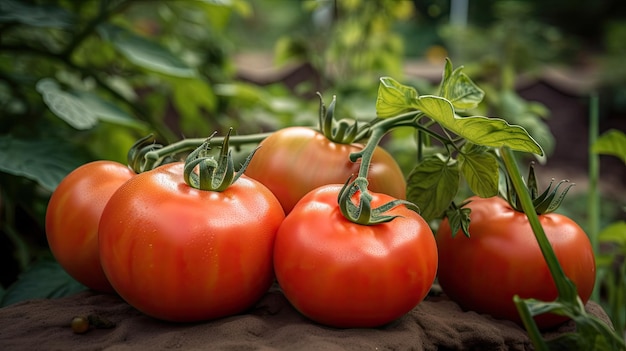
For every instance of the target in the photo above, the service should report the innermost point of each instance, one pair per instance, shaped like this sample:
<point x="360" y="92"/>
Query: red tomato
<point x="73" y="215"/>
<point x="501" y="258"/>
<point x="295" y="160"/>
<point x="182" y="254"/>
<point x="344" y="274"/>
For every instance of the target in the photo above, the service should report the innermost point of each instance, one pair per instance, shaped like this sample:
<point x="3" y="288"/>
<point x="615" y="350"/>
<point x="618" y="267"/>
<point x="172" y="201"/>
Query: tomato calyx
<point x="136" y="155"/>
<point x="546" y="202"/>
<point x="341" y="131"/>
<point x="214" y="173"/>
<point x="363" y="213"/>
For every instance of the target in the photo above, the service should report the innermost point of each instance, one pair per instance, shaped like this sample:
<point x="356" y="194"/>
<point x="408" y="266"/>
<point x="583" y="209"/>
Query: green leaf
<point x="459" y="89"/>
<point x="459" y="219"/>
<point x="493" y="132"/>
<point x="145" y="53"/>
<point x="106" y="111"/>
<point x="44" y="279"/>
<point x="615" y="232"/>
<point x="218" y="13"/>
<point x="480" y="170"/>
<point x="612" y="142"/>
<point x="432" y="185"/>
<point x="193" y="98"/>
<point x="47" y="16"/>
<point x="82" y="109"/>
<point x="529" y="115"/>
<point x="46" y="161"/>
<point x="394" y="98"/>
<point x="65" y="105"/>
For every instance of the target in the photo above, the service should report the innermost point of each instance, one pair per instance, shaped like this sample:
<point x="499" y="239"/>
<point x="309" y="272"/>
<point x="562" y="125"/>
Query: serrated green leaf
<point x="106" y="111"/>
<point x="44" y="279"/>
<point x="612" y="142"/>
<point x="145" y="53"/>
<point x="493" y="132"/>
<point x="432" y="185"/>
<point x="46" y="161"/>
<point x="48" y="16"/>
<point x="394" y="98"/>
<point x="459" y="89"/>
<point x="480" y="170"/>
<point x="65" y="105"/>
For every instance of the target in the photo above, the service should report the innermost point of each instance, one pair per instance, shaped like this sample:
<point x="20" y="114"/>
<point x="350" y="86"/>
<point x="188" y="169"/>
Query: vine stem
<point x="193" y="143"/>
<point x="564" y="285"/>
<point x="593" y="201"/>
<point x="376" y="132"/>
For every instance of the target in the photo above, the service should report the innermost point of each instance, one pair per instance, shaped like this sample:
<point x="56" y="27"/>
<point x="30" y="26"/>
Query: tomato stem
<point x="364" y="213"/>
<point x="146" y="154"/>
<point x="564" y="285"/>
<point x="342" y="131"/>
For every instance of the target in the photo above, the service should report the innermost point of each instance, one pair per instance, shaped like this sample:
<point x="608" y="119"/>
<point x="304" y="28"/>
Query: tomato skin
<point x="295" y="160"/>
<point x="502" y="258"/>
<point x="72" y="218"/>
<point x="181" y="254"/>
<point x="342" y="274"/>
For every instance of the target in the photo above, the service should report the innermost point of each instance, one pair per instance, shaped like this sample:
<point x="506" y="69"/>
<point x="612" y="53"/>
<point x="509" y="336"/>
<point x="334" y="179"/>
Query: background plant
<point x="611" y="239"/>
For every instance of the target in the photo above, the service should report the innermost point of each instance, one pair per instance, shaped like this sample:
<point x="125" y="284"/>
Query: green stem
<point x="193" y="143"/>
<point x="420" y="136"/>
<point x="531" y="327"/>
<point x="367" y="152"/>
<point x="564" y="285"/>
<point x="389" y="123"/>
<point x="593" y="200"/>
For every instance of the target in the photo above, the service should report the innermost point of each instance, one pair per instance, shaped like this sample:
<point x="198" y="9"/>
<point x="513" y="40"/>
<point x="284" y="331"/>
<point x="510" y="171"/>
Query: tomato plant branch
<point x="591" y="331"/>
<point x="155" y="154"/>
<point x="564" y="286"/>
<point x="364" y="213"/>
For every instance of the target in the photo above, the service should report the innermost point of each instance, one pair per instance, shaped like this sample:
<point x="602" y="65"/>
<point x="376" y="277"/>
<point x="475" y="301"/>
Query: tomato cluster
<point x="180" y="253"/>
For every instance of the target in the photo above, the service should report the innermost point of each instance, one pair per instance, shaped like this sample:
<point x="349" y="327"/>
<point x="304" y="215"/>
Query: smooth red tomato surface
<point x="72" y="218"/>
<point x="182" y="254"/>
<point x="343" y="274"/>
<point x="501" y="258"/>
<point x="295" y="160"/>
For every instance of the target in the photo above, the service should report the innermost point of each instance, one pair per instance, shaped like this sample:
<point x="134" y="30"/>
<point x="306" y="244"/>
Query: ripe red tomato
<point x="501" y="258"/>
<point x="295" y="160"/>
<point x="182" y="254"/>
<point x="344" y="274"/>
<point x="72" y="218"/>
